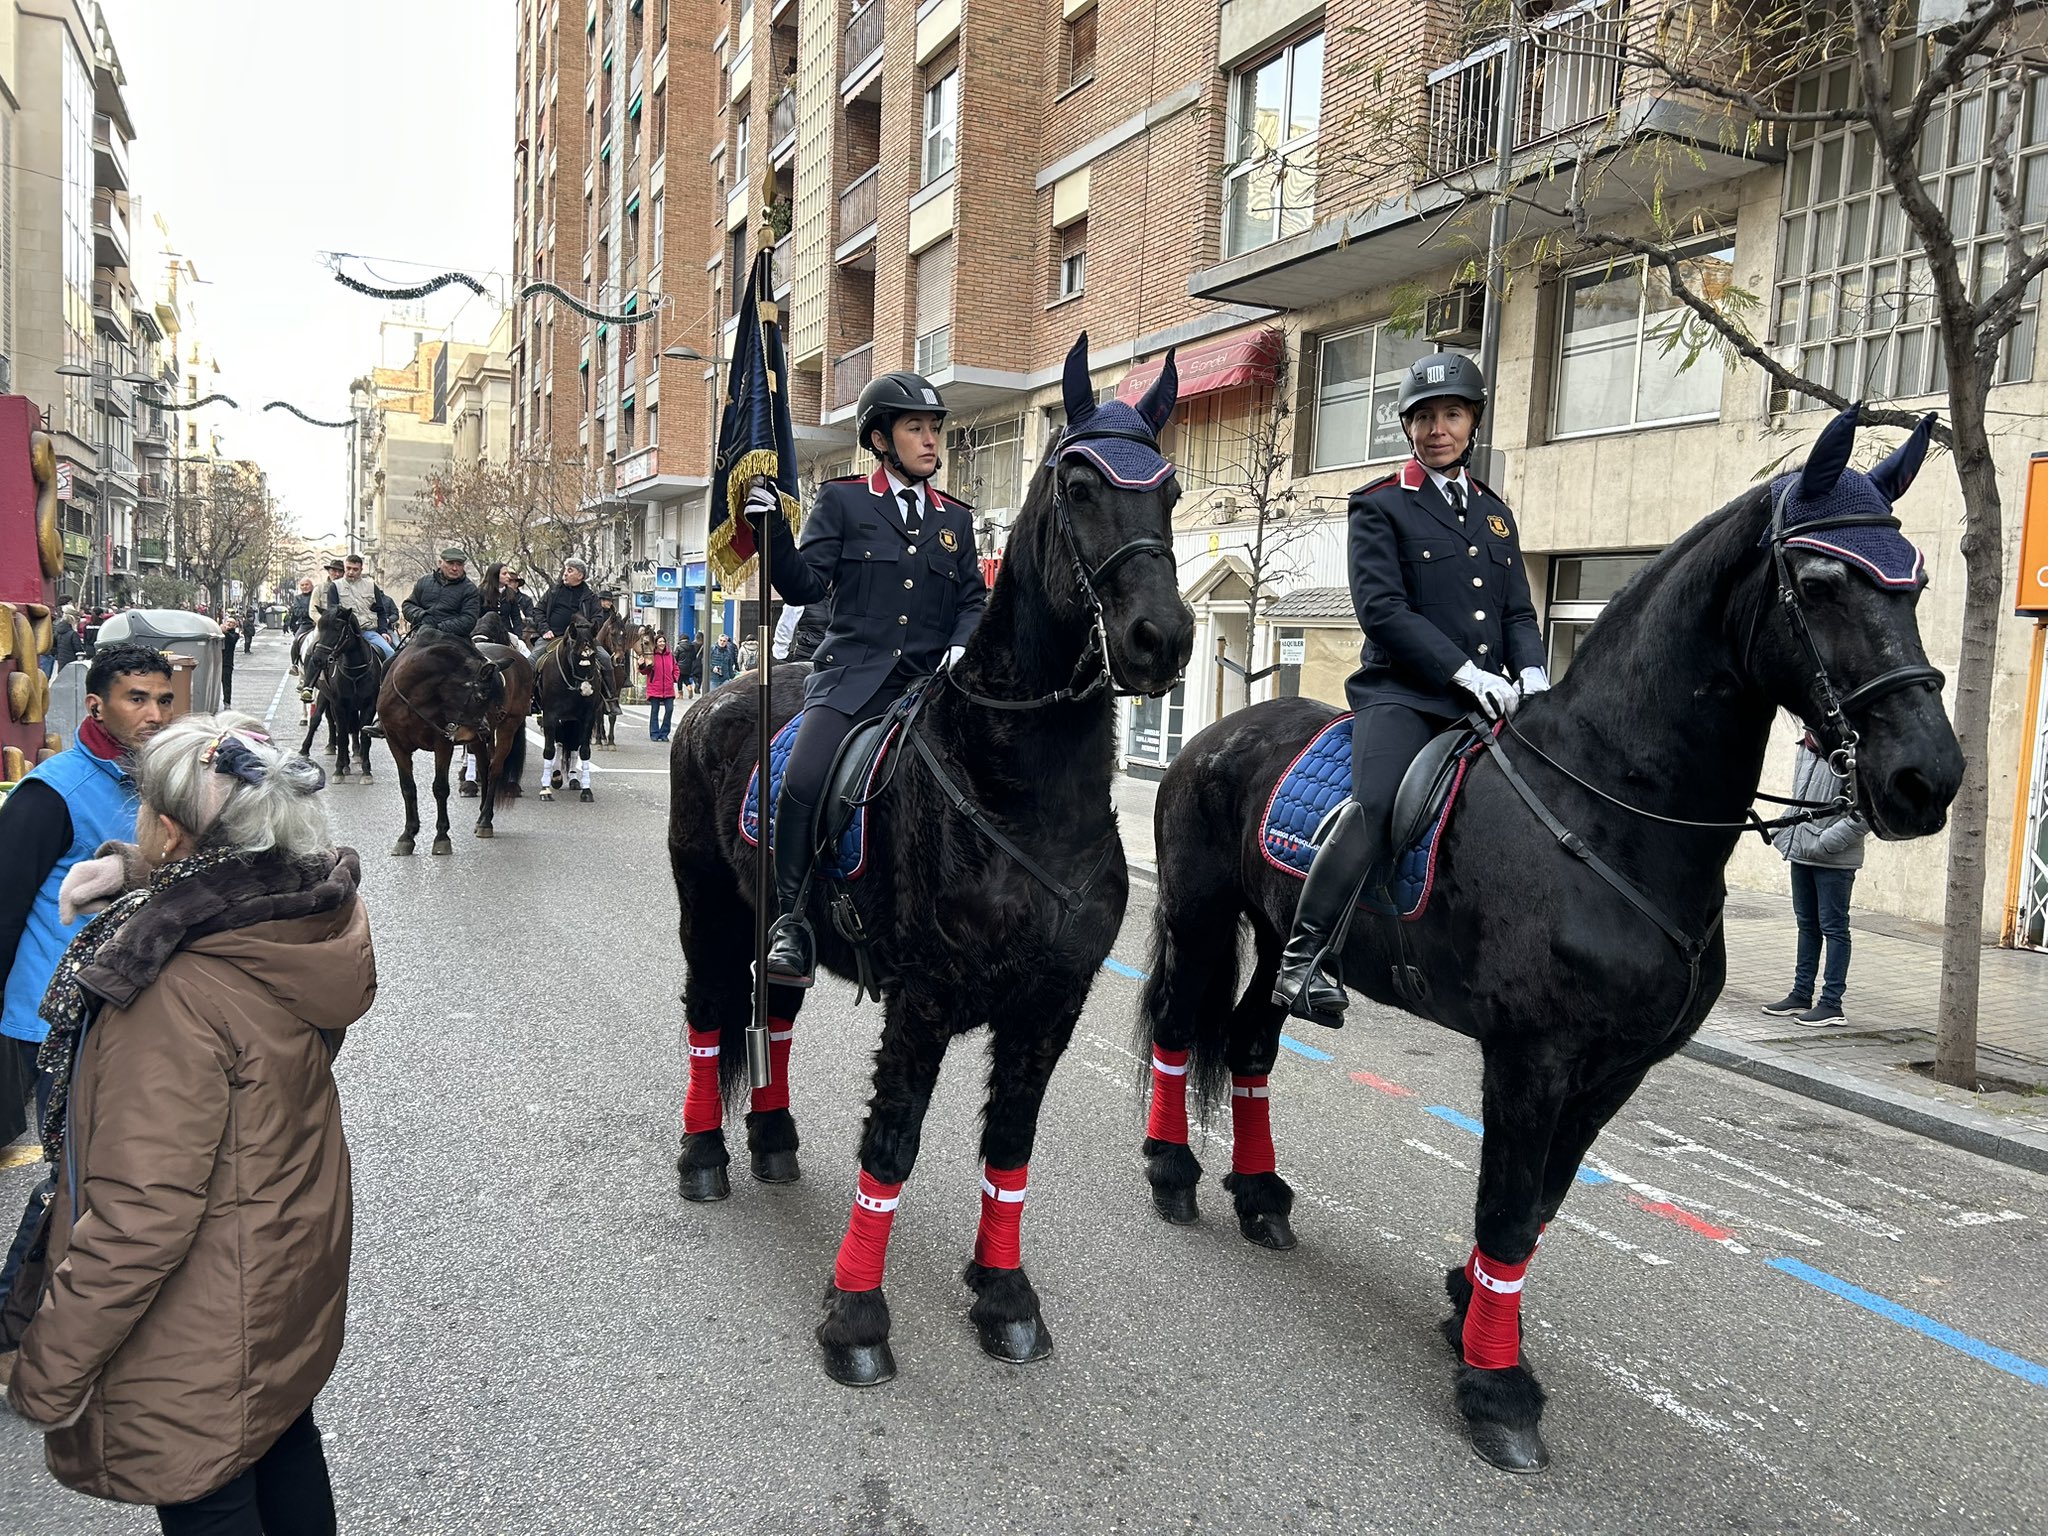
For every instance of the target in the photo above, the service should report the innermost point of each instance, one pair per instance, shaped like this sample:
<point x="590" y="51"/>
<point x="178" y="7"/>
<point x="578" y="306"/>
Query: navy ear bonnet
<point x="1827" y="490"/>
<point x="1121" y="441"/>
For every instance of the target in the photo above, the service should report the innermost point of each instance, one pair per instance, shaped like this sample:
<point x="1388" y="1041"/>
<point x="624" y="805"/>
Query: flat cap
<point x="455" y="552"/>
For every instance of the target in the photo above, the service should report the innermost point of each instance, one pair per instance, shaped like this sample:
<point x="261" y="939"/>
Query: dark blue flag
<point x="755" y="434"/>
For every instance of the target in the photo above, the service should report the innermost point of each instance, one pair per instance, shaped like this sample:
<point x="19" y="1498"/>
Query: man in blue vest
<point x="58" y="814"/>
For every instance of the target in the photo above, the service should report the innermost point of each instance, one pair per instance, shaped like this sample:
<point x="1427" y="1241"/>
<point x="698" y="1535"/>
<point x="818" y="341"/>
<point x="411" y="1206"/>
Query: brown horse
<point x="441" y="693"/>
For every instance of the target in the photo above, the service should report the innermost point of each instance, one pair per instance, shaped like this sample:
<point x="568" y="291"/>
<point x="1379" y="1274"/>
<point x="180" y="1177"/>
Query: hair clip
<point x="232" y="754"/>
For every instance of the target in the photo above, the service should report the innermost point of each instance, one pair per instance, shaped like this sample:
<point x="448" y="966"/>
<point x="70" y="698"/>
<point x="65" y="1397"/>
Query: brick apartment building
<point x="968" y="185"/>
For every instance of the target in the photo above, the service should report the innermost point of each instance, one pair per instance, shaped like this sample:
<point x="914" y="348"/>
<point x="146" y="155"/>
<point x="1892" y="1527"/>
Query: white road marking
<point x="1829" y="1208"/>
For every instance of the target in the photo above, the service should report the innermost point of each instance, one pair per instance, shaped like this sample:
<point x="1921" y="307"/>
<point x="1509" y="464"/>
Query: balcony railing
<point x="850" y="374"/>
<point x="121" y="561"/>
<point x="782" y="121"/>
<point x="108" y="144"/>
<point x="857" y="203"/>
<point x="110" y="228"/>
<point x="863" y="38"/>
<point x="110" y="300"/>
<point x="150" y="551"/>
<point x="1571" y="70"/>
<point x="152" y="486"/>
<point x="641" y="464"/>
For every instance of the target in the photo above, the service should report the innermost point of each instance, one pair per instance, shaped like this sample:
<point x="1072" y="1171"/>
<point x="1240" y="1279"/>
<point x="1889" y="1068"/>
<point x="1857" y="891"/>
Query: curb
<point x="1958" y="1125"/>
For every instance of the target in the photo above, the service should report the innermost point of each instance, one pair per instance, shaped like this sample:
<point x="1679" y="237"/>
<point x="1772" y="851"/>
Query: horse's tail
<point x="1191" y="988"/>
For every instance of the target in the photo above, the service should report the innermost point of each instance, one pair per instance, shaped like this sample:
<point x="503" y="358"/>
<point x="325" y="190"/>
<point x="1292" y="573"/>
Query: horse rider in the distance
<point x="1440" y="591"/>
<point x="347" y="587"/>
<point x="571" y="597"/>
<point x="890" y="558"/>
<point x="445" y="598"/>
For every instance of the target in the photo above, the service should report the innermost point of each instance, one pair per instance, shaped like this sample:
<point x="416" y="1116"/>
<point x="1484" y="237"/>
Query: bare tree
<point x="523" y="513"/>
<point x="225" y="524"/>
<point x="1744" y="75"/>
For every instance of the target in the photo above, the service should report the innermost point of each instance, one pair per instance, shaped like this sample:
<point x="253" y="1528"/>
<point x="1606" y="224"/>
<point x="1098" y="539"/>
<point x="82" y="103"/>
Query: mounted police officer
<point x="445" y="598"/>
<point x="890" y="559"/>
<point x="1440" y="591"/>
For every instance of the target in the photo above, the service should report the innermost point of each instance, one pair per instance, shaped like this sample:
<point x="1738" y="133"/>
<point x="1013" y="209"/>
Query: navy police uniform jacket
<point x="895" y="601"/>
<point x="1433" y="592"/>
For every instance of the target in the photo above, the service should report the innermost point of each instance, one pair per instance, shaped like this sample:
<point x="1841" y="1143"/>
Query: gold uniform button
<point x="1479" y="613"/>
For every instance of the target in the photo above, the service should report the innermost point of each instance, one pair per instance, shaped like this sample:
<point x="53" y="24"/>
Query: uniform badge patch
<point x="948" y="540"/>
<point x="1498" y="525"/>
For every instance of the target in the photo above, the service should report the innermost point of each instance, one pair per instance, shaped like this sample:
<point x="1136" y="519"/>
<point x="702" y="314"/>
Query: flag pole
<point x="760" y="1067"/>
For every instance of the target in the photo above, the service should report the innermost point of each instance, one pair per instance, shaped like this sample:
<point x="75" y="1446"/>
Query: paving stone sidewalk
<point x="1894" y="988"/>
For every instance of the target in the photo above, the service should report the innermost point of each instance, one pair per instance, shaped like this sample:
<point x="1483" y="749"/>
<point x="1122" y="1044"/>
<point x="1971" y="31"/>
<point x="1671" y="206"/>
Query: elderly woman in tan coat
<point x="197" y="1272"/>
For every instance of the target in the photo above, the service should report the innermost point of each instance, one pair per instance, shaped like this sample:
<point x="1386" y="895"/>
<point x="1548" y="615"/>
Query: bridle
<point x="1096" y="661"/>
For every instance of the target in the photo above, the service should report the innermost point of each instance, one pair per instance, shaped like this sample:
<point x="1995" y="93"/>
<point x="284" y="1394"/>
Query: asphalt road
<point x="1756" y="1313"/>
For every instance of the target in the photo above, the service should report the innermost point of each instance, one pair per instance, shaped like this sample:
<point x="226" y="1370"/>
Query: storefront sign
<point x="667" y="578"/>
<point x="668" y="599"/>
<point x="63" y="479"/>
<point x="1293" y="652"/>
<point x="2032" y="600"/>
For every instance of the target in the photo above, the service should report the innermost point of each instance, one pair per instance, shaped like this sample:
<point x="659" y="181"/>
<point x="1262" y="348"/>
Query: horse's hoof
<point x="585" y="796"/>
<point x="860" y="1365"/>
<point x="443" y="845"/>
<point x="403" y="850"/>
<point x="1176" y="1205"/>
<point x="1512" y="1448"/>
<point x="511" y="791"/>
<point x="468" y="790"/>
<point x="776" y="1167"/>
<point x="1269" y="1229"/>
<point x="1017" y="1342"/>
<point x="703" y="1186"/>
<point x="485" y="832"/>
<point x="546" y="793"/>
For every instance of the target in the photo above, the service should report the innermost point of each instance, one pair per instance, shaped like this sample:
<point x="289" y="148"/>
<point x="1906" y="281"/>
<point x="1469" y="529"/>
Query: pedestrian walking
<point x="723" y="664"/>
<point x="199" y="1241"/>
<point x="660" y="671"/>
<point x="689" y="664"/>
<point x="65" y="644"/>
<point x="252" y="621"/>
<point x="750" y="655"/>
<point x="59" y="814"/>
<point x="1824" y="854"/>
<point x="230" y="632"/>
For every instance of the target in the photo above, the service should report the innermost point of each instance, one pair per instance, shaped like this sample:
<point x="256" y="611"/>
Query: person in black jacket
<point x="891" y="559"/>
<point x="445" y="598"/>
<point x="1440" y="591"/>
<point x="569" y="599"/>
<point x="688" y="662"/>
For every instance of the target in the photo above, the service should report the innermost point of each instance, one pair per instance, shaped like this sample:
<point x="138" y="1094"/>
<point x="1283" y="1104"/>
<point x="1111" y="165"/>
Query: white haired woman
<point x="198" y="1253"/>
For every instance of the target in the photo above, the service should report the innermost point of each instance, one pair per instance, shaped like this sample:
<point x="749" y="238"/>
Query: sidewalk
<point x="1894" y="988"/>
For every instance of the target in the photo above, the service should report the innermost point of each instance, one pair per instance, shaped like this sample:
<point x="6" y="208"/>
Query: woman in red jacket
<point x="660" y="671"/>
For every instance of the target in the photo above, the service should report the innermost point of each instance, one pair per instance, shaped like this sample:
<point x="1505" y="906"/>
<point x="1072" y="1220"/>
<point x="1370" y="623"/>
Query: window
<point x="736" y="266"/>
<point x="654" y="229"/>
<point x="742" y="133"/>
<point x="1854" y="304"/>
<point x="941" y="126"/>
<point x="1080" y="48"/>
<point x="1073" y="258"/>
<point x="1270" y="172"/>
<point x="1212" y="436"/>
<point x="1580" y="586"/>
<point x="1626" y="341"/>
<point x="986" y="465"/>
<point x="1358" y="386"/>
<point x="935" y="308"/>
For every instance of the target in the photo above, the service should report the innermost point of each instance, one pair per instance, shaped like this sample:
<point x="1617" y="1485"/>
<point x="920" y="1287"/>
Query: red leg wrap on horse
<point x="1493" y="1321"/>
<point x="1251" y="1126"/>
<point x="702" y="1110"/>
<point x="1169" y="1121"/>
<point x="999" y="1242"/>
<point x="865" y="1248"/>
<point x="776" y="1094"/>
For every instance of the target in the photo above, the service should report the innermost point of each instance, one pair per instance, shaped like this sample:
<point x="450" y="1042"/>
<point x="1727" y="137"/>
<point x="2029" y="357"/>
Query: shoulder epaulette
<point x="948" y="496"/>
<point x="848" y="480"/>
<point x="1378" y="485"/>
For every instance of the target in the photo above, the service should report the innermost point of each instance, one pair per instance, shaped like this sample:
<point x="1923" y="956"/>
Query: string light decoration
<point x="171" y="405"/>
<point x="476" y="286"/>
<point x="419" y="291"/>
<point x="627" y="317"/>
<point x="311" y="421"/>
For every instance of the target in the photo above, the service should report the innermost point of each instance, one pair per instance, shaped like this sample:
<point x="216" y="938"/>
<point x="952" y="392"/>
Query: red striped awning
<point x="1253" y="358"/>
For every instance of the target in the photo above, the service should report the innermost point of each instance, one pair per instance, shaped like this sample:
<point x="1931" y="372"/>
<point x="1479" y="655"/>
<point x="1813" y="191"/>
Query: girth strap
<point x="1692" y="951"/>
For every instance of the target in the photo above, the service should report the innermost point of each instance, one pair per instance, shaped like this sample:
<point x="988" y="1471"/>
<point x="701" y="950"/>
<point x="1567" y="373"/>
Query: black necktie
<point x="913" y="515"/>
<point x="1454" y="492"/>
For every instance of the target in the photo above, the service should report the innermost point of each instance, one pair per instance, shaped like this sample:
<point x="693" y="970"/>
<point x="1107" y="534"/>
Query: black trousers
<point x="1384" y="741"/>
<point x="286" y="1493"/>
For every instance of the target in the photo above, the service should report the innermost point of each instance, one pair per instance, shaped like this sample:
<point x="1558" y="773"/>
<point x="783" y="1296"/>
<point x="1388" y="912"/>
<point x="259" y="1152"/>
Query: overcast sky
<point x="268" y="133"/>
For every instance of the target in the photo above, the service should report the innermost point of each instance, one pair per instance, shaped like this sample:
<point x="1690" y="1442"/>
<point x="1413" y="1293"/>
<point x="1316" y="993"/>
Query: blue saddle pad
<point x="1314" y="784"/>
<point x="850" y="859"/>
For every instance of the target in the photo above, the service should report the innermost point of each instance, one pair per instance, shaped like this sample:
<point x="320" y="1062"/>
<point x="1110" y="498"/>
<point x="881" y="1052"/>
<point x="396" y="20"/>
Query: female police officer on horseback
<point x="1438" y="584"/>
<point x="892" y="556"/>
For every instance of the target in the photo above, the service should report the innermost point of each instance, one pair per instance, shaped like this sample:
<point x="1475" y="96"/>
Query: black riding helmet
<point x="1443" y="373"/>
<point x="888" y="397"/>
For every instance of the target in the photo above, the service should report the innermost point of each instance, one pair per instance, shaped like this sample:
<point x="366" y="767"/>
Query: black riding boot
<point x="1304" y="987"/>
<point x="792" y="949"/>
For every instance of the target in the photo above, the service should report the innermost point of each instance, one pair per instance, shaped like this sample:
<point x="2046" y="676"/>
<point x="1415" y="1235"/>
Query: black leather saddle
<point x="1426" y="784"/>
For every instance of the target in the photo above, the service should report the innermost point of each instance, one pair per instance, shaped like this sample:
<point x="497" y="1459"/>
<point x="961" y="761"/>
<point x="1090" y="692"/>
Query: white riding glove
<point x="762" y="497"/>
<point x="1534" y="682"/>
<point x="953" y="655"/>
<point x="1494" y="694"/>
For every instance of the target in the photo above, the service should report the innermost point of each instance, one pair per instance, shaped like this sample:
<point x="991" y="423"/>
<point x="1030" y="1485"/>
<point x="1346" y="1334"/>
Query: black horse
<point x="968" y="932"/>
<point x="573" y="681"/>
<point x="344" y="671"/>
<point x="1565" y="980"/>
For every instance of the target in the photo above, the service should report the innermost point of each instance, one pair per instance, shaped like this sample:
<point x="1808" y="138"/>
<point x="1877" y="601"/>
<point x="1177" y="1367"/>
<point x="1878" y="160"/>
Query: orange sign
<point x="2032" y="601"/>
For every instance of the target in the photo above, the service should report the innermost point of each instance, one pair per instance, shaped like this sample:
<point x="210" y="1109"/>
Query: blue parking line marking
<point x="1309" y="1051"/>
<point x="2013" y="1365"/>
<point x="1462" y="1121"/>
<point x="1116" y="967"/>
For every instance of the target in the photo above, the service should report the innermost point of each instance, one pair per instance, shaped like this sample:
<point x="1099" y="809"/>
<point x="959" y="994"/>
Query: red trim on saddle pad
<point x="1169" y="1117"/>
<point x="702" y="1108"/>
<point x="865" y="1249"/>
<point x="999" y="1241"/>
<point x="776" y="1094"/>
<point x="867" y="788"/>
<point x="1493" y="1320"/>
<point x="1251" y="1126"/>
